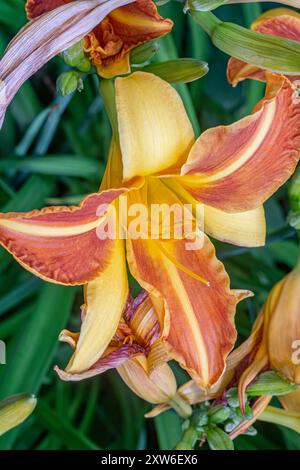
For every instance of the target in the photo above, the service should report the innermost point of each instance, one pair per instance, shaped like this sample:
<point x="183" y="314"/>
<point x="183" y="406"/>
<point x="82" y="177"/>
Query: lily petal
<point x="60" y="244"/>
<point x="158" y="387"/>
<point x="198" y="328"/>
<point x="45" y="37"/>
<point x="109" y="361"/>
<point x="281" y="22"/>
<point x="239" y="228"/>
<point x="35" y="8"/>
<point x="291" y="401"/>
<point x="236" y="168"/>
<point x="155" y="132"/>
<point x="105" y="298"/>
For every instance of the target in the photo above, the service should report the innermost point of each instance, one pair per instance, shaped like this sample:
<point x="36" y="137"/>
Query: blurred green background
<point x="53" y="151"/>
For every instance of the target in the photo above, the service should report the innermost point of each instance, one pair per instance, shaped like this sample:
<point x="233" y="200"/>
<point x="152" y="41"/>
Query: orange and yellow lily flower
<point x="155" y="159"/>
<point x="110" y="43"/>
<point x="281" y="22"/>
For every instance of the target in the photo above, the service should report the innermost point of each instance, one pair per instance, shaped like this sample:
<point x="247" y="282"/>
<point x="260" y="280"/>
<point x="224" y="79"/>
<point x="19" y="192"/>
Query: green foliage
<point x="53" y="151"/>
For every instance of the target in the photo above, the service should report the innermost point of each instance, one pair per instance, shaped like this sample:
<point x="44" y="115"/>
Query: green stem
<point x="107" y="92"/>
<point x="181" y="406"/>
<point x="207" y="20"/>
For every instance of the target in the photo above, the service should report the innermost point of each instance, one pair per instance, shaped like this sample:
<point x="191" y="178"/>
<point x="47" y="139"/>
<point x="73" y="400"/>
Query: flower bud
<point x="14" y="410"/>
<point x="270" y="383"/>
<point x="289" y="419"/>
<point x="178" y="70"/>
<point x="218" y="439"/>
<point x="75" y="57"/>
<point x="219" y="414"/>
<point x="68" y="82"/>
<point x="144" y="52"/>
<point x="269" y="52"/>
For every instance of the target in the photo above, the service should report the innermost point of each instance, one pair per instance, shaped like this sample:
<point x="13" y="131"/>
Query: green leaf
<point x="38" y="338"/>
<point x="70" y="435"/>
<point x="168" y="430"/>
<point x="62" y="165"/>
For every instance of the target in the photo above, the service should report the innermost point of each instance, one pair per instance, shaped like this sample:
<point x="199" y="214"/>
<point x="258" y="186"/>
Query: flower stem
<point x="182" y="408"/>
<point x="107" y="92"/>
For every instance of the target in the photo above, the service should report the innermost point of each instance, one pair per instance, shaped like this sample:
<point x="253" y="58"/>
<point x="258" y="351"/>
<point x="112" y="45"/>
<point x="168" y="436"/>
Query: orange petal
<point x="281" y="22"/>
<point x="236" y="168"/>
<point x="60" y="244"/>
<point x="35" y="8"/>
<point x="198" y="327"/>
<point x="125" y="28"/>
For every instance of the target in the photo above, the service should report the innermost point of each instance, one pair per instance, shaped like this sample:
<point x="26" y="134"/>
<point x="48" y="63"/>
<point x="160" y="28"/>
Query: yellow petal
<point x="239" y="228"/>
<point x="105" y="298"/>
<point x="155" y="132"/>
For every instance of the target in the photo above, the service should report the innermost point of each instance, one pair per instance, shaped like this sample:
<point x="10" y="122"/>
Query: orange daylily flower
<point x="110" y="43"/>
<point x="281" y="22"/>
<point x="155" y="159"/>
<point x="136" y="354"/>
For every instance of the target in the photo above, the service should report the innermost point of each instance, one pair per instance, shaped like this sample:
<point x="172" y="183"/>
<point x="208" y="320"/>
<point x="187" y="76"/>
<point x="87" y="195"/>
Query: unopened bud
<point x="68" y="82"/>
<point x="270" y="383"/>
<point x="218" y="439"/>
<point x="14" y="410"/>
<point x="178" y="70"/>
<point x="75" y="57"/>
<point x="144" y="52"/>
<point x="219" y="414"/>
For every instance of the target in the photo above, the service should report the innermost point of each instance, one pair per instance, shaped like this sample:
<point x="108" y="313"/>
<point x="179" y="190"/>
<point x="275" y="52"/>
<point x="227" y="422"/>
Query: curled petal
<point x="281" y="22"/>
<point x="155" y="132"/>
<point x="158" y="387"/>
<point x="198" y="327"/>
<point x="239" y="228"/>
<point x="45" y="37"/>
<point x="111" y="360"/>
<point x="60" y="244"/>
<point x="227" y="166"/>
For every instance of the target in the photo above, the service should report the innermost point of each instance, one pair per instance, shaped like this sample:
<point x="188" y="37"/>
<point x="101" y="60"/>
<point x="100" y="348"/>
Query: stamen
<point x="181" y="266"/>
